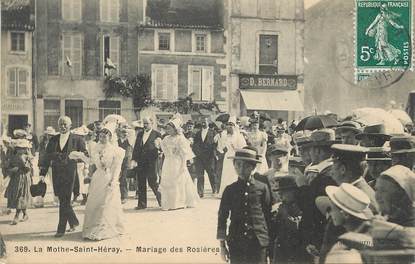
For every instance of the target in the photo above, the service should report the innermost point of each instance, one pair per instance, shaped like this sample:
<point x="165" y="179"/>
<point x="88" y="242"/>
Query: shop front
<point x="276" y="95"/>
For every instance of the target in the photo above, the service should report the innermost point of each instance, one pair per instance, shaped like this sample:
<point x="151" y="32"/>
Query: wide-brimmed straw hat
<point x="277" y="148"/>
<point x="247" y="154"/>
<point x="378" y="153"/>
<point x="348" y="198"/>
<point x="349" y="126"/>
<point x="402" y="144"/>
<point x="322" y="137"/>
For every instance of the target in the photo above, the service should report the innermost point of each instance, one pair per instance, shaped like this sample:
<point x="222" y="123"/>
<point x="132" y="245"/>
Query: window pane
<point x="268" y="49"/>
<point x="12" y="82"/>
<point x="17" y="41"/>
<point x="207" y="86"/>
<point x="164" y="41"/>
<point x="107" y="107"/>
<point x="268" y="69"/>
<point x="73" y="109"/>
<point x="21" y="42"/>
<point x="200" y="42"/>
<point x="51" y="112"/>
<point x="14" y="41"/>
<point x="114" y="52"/>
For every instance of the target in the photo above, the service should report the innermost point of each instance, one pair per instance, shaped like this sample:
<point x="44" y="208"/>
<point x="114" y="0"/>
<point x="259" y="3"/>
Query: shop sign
<point x="261" y="81"/>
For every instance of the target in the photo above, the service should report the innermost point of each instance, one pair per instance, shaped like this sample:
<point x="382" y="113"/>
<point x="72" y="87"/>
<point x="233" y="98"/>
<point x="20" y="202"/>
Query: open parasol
<point x="316" y="122"/>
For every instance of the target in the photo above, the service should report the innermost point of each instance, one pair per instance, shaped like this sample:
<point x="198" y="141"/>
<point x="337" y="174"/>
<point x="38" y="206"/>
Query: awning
<point x="272" y="100"/>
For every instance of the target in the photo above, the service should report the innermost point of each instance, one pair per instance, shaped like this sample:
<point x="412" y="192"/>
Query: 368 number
<point x="21" y="249"/>
<point x="366" y="52"/>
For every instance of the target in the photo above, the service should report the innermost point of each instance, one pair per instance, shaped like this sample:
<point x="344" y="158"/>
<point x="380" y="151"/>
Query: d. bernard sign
<point x="283" y="82"/>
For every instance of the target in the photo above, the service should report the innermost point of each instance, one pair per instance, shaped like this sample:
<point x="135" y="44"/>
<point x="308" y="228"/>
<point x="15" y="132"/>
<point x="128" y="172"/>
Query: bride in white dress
<point x="176" y="187"/>
<point x="229" y="143"/>
<point x="103" y="211"/>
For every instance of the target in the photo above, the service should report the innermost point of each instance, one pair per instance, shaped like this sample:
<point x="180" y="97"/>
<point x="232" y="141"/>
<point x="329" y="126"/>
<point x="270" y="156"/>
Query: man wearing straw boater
<point x="248" y="203"/>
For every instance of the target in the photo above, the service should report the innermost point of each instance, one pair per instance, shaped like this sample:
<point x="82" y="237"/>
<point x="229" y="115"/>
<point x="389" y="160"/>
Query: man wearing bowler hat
<point x="403" y="151"/>
<point x="318" y="176"/>
<point x="347" y="131"/>
<point x="248" y="203"/>
<point x="373" y="136"/>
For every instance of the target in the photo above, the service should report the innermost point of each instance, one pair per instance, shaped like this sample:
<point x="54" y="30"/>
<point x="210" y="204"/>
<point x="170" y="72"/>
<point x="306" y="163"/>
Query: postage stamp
<point x="383" y="36"/>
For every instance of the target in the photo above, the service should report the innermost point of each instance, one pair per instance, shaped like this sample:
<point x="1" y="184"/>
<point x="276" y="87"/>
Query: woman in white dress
<point x="103" y="211"/>
<point x="229" y="143"/>
<point x="176" y="187"/>
<point x="258" y="139"/>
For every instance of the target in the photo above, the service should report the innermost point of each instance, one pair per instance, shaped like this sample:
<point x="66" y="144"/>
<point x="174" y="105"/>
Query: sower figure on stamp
<point x="248" y="203"/>
<point x="145" y="155"/>
<point x="63" y="171"/>
<point x="204" y="148"/>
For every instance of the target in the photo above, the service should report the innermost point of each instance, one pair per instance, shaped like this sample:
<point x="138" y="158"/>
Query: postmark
<point x="383" y="36"/>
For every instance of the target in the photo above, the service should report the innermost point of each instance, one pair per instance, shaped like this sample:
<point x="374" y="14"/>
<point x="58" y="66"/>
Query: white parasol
<point x="370" y="116"/>
<point x="114" y="118"/>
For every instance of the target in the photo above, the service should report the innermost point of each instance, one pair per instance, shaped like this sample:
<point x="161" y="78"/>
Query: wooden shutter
<point x="104" y="10"/>
<point x="114" y="52"/>
<point x="12" y="82"/>
<point x="66" y="9"/>
<point x="22" y="83"/>
<point x="67" y="44"/>
<point x="207" y="84"/>
<point x="114" y="11"/>
<point x="159" y="83"/>
<point x="77" y="10"/>
<point x="77" y="55"/>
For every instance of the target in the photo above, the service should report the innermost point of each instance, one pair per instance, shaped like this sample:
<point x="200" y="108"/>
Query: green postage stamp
<point x="383" y="36"/>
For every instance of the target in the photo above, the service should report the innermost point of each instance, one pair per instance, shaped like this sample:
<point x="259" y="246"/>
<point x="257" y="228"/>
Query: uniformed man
<point x="248" y="203"/>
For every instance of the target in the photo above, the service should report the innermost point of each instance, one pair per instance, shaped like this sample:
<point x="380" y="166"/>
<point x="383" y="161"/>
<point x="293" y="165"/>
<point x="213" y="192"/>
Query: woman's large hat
<point x="246" y="153"/>
<point x="348" y="198"/>
<point x="21" y="143"/>
<point x="176" y="123"/>
<point x="81" y="131"/>
<point x="20" y="133"/>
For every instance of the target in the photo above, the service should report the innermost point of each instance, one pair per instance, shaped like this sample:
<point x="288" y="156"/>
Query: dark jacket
<point x="147" y="153"/>
<point x="270" y="181"/>
<point x="128" y="154"/>
<point x="63" y="168"/>
<point x="249" y="206"/>
<point x="206" y="148"/>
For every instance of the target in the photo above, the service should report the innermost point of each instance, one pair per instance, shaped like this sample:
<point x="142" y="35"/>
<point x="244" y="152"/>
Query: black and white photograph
<point x="207" y="131"/>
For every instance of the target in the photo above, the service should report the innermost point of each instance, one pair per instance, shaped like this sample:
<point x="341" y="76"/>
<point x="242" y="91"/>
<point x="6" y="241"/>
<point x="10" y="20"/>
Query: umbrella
<point x="316" y="122"/>
<point x="113" y="118"/>
<point x="401" y="115"/>
<point x="370" y="116"/>
<point x="223" y="118"/>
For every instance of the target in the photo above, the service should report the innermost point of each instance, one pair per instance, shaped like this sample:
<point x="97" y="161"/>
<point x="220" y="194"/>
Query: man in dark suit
<point x="63" y="171"/>
<point x="124" y="144"/>
<point x="248" y="203"/>
<point x="144" y="158"/>
<point x="204" y="149"/>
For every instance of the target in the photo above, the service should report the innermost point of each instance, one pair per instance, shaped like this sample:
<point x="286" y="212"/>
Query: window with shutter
<point x="72" y="10"/>
<point x="164" y="82"/>
<point x="268" y="54"/>
<point x="200" y="82"/>
<point x="18" y="82"/>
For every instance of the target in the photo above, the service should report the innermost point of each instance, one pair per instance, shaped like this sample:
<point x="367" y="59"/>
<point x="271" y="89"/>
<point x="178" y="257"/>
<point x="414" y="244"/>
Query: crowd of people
<point x="333" y="193"/>
<point x="346" y="197"/>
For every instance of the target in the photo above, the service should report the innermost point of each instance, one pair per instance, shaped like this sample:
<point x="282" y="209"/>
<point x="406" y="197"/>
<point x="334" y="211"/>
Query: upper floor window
<point x="164" y="81"/>
<point x="17" y="41"/>
<point x="268" y="54"/>
<point x="72" y="10"/>
<point x="201" y="42"/>
<point x="110" y="10"/>
<point x="164" y="41"/>
<point x="18" y="82"/>
<point x="72" y="54"/>
<point x="200" y="82"/>
<point x="111" y="54"/>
